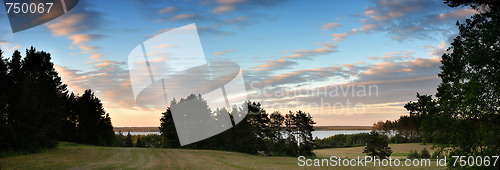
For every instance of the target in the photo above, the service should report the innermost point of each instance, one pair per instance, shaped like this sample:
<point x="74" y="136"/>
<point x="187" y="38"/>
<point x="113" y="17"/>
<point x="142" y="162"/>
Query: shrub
<point x="413" y="155"/>
<point x="437" y="154"/>
<point x="425" y="154"/>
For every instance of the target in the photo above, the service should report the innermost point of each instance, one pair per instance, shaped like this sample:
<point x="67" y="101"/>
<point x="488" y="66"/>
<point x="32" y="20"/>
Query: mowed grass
<point x="72" y="156"/>
<point x="399" y="151"/>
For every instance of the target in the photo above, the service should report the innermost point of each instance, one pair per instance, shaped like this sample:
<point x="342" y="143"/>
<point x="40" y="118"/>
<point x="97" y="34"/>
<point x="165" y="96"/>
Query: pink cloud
<point x="330" y="26"/>
<point x="167" y="10"/>
<point x="341" y="36"/>
<point x="183" y="16"/>
<point x="326" y="48"/>
<point x="224" y="52"/>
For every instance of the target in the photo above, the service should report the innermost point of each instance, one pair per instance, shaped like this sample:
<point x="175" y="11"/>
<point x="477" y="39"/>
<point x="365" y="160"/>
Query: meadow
<point x="77" y="156"/>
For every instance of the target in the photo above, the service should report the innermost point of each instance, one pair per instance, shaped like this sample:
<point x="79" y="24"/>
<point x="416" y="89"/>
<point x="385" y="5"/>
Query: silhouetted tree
<point x="36" y="110"/>
<point x="139" y="142"/>
<point x="31" y="98"/>
<point x="377" y="145"/>
<point x="469" y="94"/>
<point x="258" y="132"/>
<point x="169" y="138"/>
<point x="128" y="140"/>
<point x="94" y="124"/>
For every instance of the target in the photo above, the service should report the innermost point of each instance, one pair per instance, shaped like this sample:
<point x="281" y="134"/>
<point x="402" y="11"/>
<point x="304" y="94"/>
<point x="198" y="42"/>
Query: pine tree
<point x="128" y="140"/>
<point x="377" y="145"/>
<point x="139" y="143"/>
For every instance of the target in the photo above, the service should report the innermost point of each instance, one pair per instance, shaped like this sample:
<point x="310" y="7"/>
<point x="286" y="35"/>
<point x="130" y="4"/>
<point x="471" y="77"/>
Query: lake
<point x="319" y="134"/>
<point x="325" y="134"/>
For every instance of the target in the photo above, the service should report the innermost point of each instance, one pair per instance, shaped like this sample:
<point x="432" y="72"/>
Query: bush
<point x="425" y="154"/>
<point x="437" y="154"/>
<point x="413" y="155"/>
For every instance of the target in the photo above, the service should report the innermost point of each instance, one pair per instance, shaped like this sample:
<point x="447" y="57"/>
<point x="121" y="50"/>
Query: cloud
<point x="306" y="75"/>
<point x="438" y="50"/>
<point x="272" y="65"/>
<point x="320" y="90"/>
<point x="407" y="19"/>
<point x="183" y="17"/>
<point x="74" y="26"/>
<point x="210" y="16"/>
<point x="81" y="39"/>
<point x="401" y="69"/>
<point x="110" y="83"/>
<point x="167" y="10"/>
<point x="68" y="25"/>
<point x="225" y="6"/>
<point x="224" y="52"/>
<point x="80" y="19"/>
<point x="341" y="36"/>
<point x="327" y="48"/>
<point x="394" y="56"/>
<point x="368" y="27"/>
<point x="330" y="26"/>
<point x="456" y="14"/>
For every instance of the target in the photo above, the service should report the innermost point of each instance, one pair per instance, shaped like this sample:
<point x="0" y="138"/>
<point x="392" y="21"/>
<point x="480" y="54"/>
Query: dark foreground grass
<point x="76" y="156"/>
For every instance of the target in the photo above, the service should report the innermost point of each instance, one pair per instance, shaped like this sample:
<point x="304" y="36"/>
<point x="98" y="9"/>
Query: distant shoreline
<point x="331" y="128"/>
<point x="316" y="128"/>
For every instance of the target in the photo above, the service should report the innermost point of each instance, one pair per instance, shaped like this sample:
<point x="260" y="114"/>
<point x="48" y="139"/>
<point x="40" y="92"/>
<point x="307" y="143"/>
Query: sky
<point x="344" y="62"/>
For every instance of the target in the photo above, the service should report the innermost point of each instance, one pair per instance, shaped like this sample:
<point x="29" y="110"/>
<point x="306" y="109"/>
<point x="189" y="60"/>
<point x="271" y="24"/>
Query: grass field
<point x="73" y="156"/>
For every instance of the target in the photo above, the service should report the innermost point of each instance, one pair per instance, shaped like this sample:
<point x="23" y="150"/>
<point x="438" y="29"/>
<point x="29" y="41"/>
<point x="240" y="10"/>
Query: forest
<point x="37" y="111"/>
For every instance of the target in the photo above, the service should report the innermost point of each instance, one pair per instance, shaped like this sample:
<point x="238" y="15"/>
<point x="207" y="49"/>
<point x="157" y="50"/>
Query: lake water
<point x="325" y="134"/>
<point x="319" y="134"/>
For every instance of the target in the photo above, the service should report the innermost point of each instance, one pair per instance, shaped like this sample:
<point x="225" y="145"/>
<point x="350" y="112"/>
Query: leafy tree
<point x="377" y="145"/>
<point x="469" y="94"/>
<point x="426" y="110"/>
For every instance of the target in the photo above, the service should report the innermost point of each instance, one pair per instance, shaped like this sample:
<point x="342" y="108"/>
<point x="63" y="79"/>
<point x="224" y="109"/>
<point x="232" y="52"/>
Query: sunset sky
<point x="345" y="62"/>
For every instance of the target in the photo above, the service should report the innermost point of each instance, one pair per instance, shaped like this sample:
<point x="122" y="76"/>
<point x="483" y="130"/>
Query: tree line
<point x="142" y="141"/>
<point x="37" y="111"/>
<point x="258" y="133"/>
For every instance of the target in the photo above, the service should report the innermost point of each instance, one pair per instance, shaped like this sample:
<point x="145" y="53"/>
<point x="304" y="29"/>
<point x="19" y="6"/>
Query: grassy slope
<point x="68" y="156"/>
